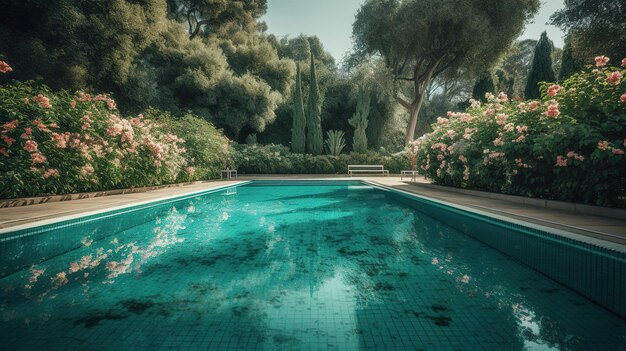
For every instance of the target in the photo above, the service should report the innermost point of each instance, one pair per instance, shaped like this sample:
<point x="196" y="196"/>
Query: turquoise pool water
<point x="262" y="267"/>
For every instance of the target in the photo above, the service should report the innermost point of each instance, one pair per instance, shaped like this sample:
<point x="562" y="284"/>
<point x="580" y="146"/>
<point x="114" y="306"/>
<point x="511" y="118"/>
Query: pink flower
<point x="190" y="170"/>
<point x="554" y="89"/>
<point x="571" y="154"/>
<point x="26" y="101"/>
<point x="435" y="261"/>
<point x="519" y="139"/>
<point x="4" y="67"/>
<point x="502" y="97"/>
<point x="41" y="126"/>
<point x="60" y="139"/>
<point x="51" y="173"/>
<point x="532" y="106"/>
<point x="43" y="101"/>
<point x="116" y="129"/>
<point x="624" y="62"/>
<point x="30" y="145"/>
<point x="462" y="158"/>
<point x="614" y="78"/>
<point x="601" y="61"/>
<point x="37" y="157"/>
<point x="561" y="161"/>
<point x="618" y="152"/>
<point x="522" y="129"/>
<point x="441" y="120"/>
<point x="498" y="142"/>
<point x="8" y="140"/>
<point x="87" y="170"/>
<point x="603" y="145"/>
<point x="10" y="125"/>
<point x="4" y="152"/>
<point x="73" y="103"/>
<point x="624" y="143"/>
<point x="84" y="97"/>
<point x="622" y="98"/>
<point x="111" y="104"/>
<point x="465" y="279"/>
<point x="501" y="118"/>
<point x="439" y="157"/>
<point x="85" y="126"/>
<point x="553" y="110"/>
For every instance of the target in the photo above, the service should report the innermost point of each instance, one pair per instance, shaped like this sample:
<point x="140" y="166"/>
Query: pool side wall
<point x="594" y="272"/>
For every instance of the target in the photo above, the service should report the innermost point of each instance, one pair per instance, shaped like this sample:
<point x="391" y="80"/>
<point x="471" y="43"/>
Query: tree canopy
<point x="541" y="69"/>
<point x="421" y="39"/>
<point x="595" y="27"/>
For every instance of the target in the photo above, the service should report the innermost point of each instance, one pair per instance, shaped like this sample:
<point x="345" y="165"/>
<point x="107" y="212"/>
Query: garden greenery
<point x="277" y="159"/>
<point x="568" y="145"/>
<point x="57" y="143"/>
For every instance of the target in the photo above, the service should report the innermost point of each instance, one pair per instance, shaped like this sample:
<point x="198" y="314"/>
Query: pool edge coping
<point x="129" y="206"/>
<point x="585" y="239"/>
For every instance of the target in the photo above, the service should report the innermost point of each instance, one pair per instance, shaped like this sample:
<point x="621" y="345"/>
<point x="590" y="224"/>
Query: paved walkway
<point x="607" y="229"/>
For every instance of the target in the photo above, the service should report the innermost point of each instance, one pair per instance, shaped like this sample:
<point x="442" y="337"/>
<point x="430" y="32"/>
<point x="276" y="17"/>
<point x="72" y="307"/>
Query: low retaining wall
<point x="27" y="201"/>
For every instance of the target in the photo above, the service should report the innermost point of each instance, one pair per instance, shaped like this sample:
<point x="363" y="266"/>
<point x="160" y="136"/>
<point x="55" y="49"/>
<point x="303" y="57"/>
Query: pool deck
<point x="611" y="230"/>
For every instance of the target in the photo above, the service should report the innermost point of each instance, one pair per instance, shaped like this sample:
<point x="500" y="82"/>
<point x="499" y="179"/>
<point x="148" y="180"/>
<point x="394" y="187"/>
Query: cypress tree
<point x="359" y="121"/>
<point x="541" y="69"/>
<point x="314" y="136"/>
<point x="483" y="85"/>
<point x="299" y="118"/>
<point x="569" y="63"/>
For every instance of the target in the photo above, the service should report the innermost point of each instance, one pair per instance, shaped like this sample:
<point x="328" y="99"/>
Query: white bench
<point x="412" y="174"/>
<point x="367" y="169"/>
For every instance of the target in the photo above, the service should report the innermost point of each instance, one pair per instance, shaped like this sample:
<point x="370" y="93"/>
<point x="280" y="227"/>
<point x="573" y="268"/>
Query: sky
<point x="331" y="21"/>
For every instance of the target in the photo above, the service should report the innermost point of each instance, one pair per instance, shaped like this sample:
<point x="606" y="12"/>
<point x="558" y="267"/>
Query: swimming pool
<point x="297" y="265"/>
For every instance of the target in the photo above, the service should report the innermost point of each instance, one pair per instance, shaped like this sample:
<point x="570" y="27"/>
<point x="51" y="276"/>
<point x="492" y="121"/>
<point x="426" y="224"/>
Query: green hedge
<point x="569" y="145"/>
<point x="277" y="159"/>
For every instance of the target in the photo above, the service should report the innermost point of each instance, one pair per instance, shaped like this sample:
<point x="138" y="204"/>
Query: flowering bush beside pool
<point x="569" y="145"/>
<point x="59" y="142"/>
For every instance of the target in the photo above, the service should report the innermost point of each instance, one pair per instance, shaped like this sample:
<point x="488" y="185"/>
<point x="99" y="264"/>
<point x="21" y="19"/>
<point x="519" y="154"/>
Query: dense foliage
<point x="569" y="145"/>
<point x="142" y="53"/>
<point x="57" y="143"/>
<point x="314" y="134"/>
<point x="541" y="68"/>
<point x="277" y="159"/>
<point x="298" y="129"/>
<point x="360" y="121"/>
<point x="595" y="27"/>
<point x="422" y="39"/>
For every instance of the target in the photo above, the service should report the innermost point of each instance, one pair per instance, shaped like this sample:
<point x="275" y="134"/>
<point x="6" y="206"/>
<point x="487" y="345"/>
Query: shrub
<point x="56" y="143"/>
<point x="568" y="145"/>
<point x="276" y="159"/>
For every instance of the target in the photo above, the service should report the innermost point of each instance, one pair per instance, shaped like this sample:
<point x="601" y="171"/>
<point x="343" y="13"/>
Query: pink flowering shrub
<point x="59" y="142"/>
<point x="569" y="145"/>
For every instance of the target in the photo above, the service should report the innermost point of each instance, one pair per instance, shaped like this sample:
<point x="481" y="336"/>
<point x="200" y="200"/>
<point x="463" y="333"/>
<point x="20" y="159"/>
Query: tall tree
<point x="484" y="84"/>
<point x="359" y="121"/>
<point x="314" y="136"/>
<point x="298" y="128"/>
<point x="569" y="63"/>
<point x="541" y="69"/>
<point x="596" y="27"/>
<point x="421" y="39"/>
<point x="216" y="16"/>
